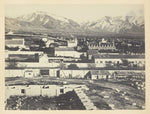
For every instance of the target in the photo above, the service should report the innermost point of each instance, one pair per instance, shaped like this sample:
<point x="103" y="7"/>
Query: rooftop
<point x="14" y="42"/>
<point x="92" y="52"/>
<point x="64" y="49"/>
<point x="99" y="72"/>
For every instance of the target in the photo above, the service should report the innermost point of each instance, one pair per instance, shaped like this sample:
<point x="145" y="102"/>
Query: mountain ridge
<point x="42" y="21"/>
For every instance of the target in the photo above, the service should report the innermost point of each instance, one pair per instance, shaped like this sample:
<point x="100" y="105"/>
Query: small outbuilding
<point x="100" y="74"/>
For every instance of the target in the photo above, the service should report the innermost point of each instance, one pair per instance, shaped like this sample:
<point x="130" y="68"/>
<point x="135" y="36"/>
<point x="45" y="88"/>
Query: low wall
<point x="24" y="72"/>
<point x="36" y="65"/>
<point x="14" y="73"/>
<point x="73" y="73"/>
<point x="37" y="90"/>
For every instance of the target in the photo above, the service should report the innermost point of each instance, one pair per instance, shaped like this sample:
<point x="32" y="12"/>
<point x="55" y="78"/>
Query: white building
<point x="43" y="58"/>
<point x="72" y="42"/>
<point x="102" y="45"/>
<point x="101" y="60"/>
<point x="37" y="90"/>
<point x="100" y="74"/>
<point x="31" y="72"/>
<point x="49" y="42"/>
<point x="8" y="53"/>
<point x="15" y="42"/>
<point x="67" y="52"/>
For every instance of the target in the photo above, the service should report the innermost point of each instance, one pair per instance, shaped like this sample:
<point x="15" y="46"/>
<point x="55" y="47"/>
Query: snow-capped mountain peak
<point x="40" y="20"/>
<point x="41" y="15"/>
<point x="116" y="24"/>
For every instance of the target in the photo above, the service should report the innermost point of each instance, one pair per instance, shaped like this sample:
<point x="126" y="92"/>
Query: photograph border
<point x="147" y="49"/>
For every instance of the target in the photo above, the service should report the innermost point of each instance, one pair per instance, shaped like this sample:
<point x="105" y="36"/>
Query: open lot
<point x="68" y="101"/>
<point x="104" y="94"/>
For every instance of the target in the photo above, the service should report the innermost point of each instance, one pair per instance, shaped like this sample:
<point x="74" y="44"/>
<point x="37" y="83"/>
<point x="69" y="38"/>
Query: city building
<point x="102" y="45"/>
<point x="17" y="42"/>
<point x="23" y="56"/>
<point x="100" y="74"/>
<point x="129" y="75"/>
<point x="30" y="72"/>
<point x="90" y="53"/>
<point x="101" y="60"/>
<point x="67" y="52"/>
<point x="72" y="42"/>
<point x="68" y="73"/>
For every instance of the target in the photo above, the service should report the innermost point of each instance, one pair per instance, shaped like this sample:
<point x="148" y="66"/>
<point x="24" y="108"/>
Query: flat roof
<point x="64" y="49"/>
<point x="14" y="41"/>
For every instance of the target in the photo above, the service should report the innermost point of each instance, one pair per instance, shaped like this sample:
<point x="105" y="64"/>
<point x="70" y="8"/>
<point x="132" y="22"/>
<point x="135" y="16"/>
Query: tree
<point x="83" y="58"/>
<point x="73" y="66"/>
<point x="62" y="65"/>
<point x="42" y="44"/>
<point x="12" y="64"/>
<point x="125" y="62"/>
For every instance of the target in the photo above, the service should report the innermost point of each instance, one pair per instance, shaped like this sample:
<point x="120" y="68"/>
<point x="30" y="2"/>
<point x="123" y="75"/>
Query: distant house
<point x="70" y="73"/>
<point x="102" y="45"/>
<point x="50" y="41"/>
<point x="22" y="56"/>
<point x="34" y="47"/>
<point x="84" y="73"/>
<point x="15" y="42"/>
<point x="30" y="72"/>
<point x="90" y="53"/>
<point x="62" y="59"/>
<point x="121" y="75"/>
<point x="101" y="60"/>
<point x="55" y="59"/>
<point x="100" y="74"/>
<point x="72" y="42"/>
<point x="67" y="52"/>
<point x="43" y="58"/>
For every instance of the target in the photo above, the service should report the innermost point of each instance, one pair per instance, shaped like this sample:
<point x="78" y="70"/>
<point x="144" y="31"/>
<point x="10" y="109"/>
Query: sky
<point x="77" y="12"/>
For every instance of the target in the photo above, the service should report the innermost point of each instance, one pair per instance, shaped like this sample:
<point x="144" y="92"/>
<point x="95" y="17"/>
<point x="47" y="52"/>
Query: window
<point x="44" y="72"/>
<point x="22" y="90"/>
<point x="96" y="61"/>
<point x="29" y="73"/>
<point x="61" y="90"/>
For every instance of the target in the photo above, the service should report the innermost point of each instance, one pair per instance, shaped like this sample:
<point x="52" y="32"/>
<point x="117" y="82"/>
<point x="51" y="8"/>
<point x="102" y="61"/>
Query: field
<point x="105" y="95"/>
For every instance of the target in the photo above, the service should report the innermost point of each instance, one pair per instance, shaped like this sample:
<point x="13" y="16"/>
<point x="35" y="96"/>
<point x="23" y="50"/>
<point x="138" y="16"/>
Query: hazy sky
<point x="77" y="12"/>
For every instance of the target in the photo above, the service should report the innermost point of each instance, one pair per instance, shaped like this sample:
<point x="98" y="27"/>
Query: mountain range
<point x="42" y="22"/>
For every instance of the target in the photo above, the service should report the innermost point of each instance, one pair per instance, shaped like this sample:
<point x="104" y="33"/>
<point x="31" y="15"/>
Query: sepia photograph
<point x="74" y="57"/>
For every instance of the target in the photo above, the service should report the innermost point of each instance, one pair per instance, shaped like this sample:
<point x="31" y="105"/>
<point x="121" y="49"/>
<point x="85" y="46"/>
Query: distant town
<point x="44" y="59"/>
